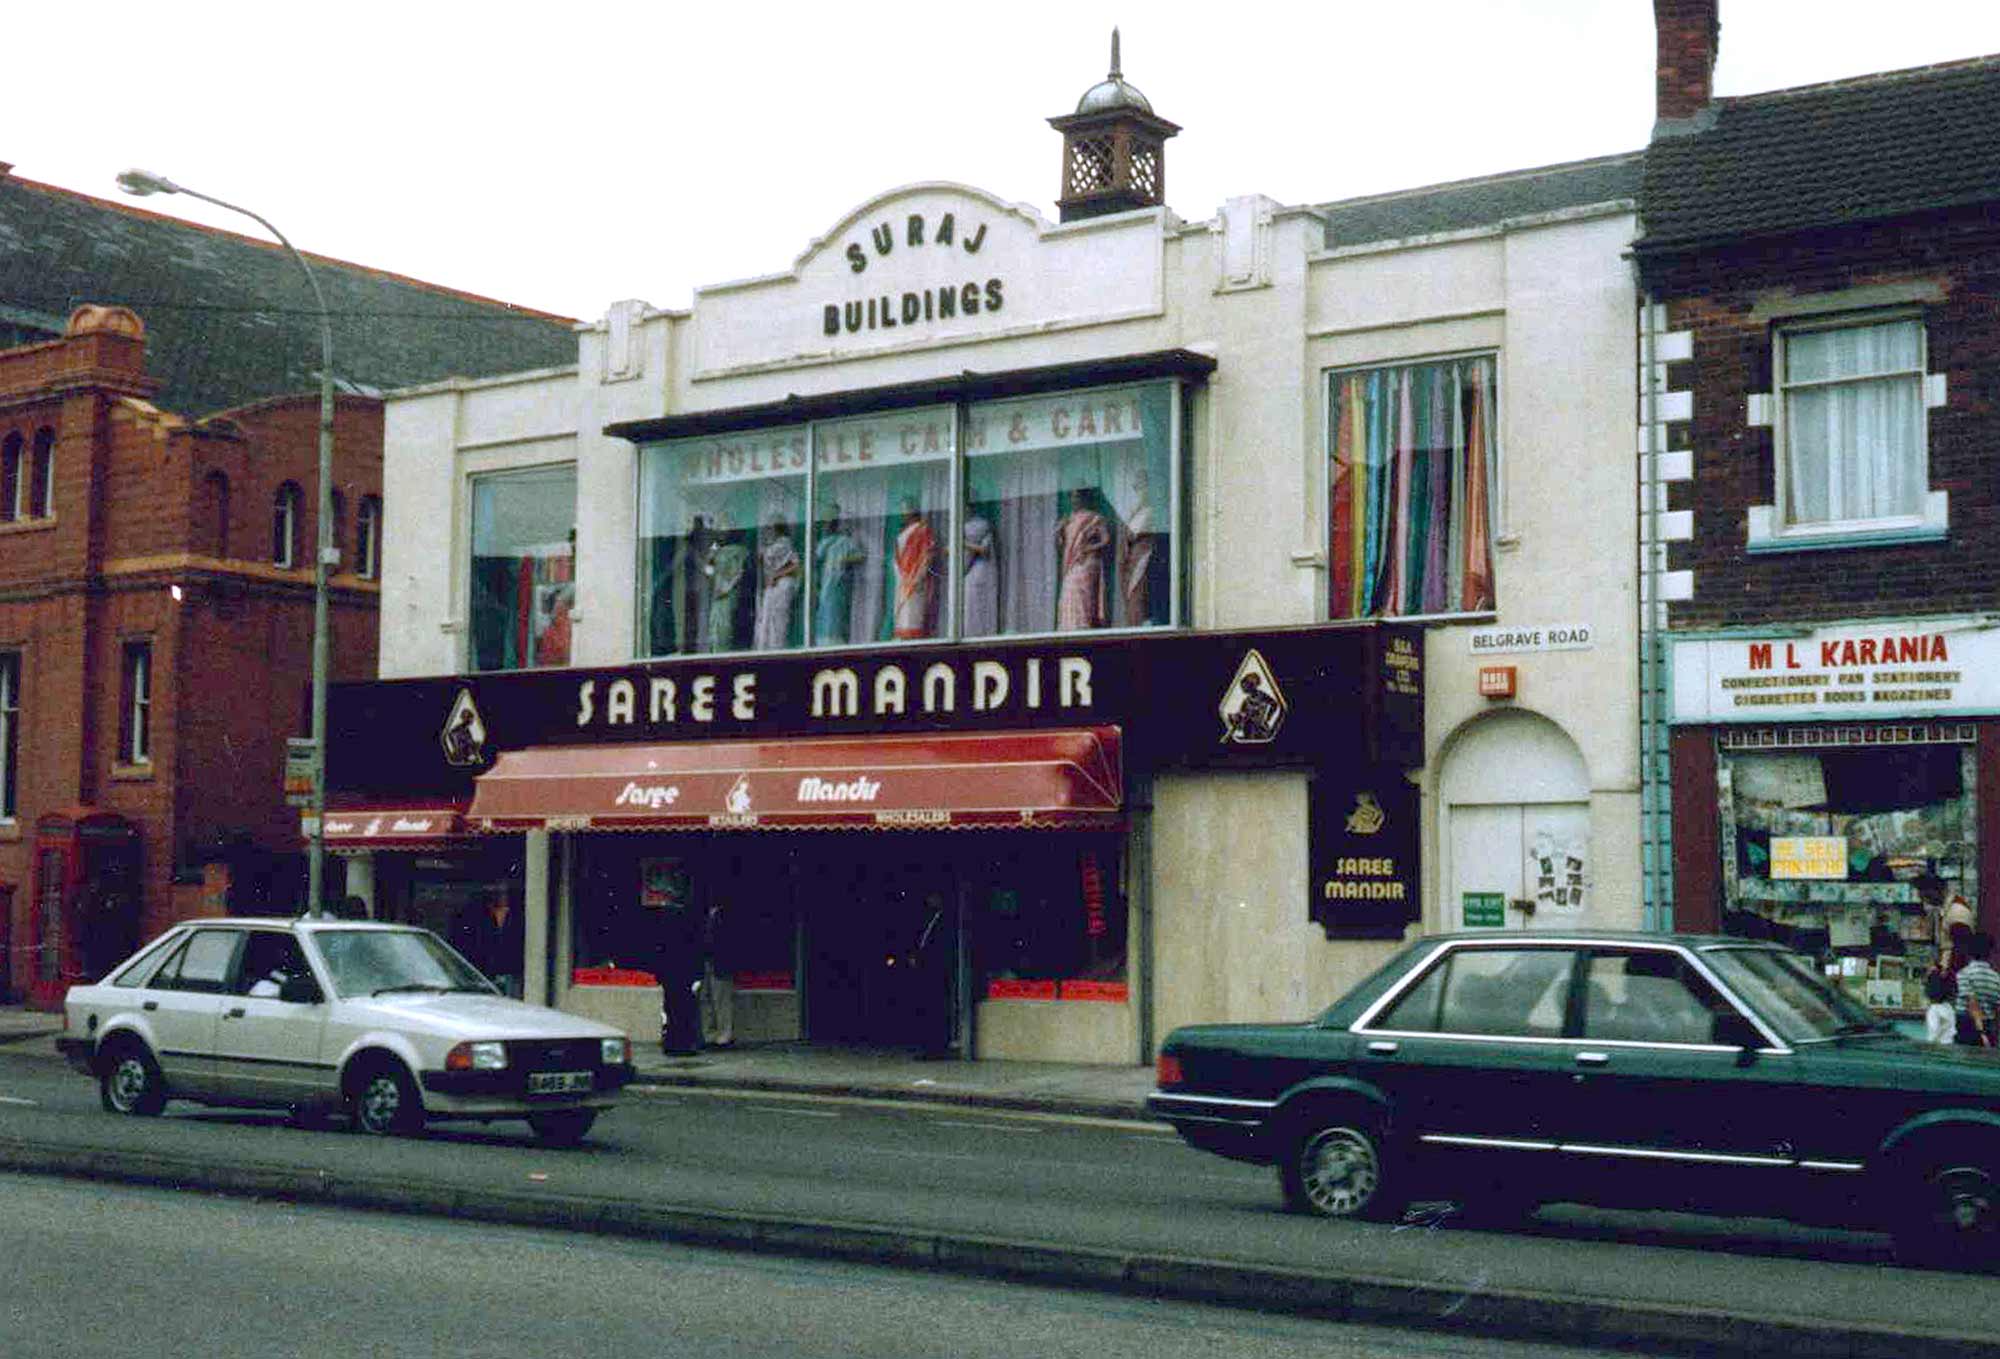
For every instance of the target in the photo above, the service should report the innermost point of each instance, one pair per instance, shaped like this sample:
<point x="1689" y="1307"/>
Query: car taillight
<point x="1168" y="1070"/>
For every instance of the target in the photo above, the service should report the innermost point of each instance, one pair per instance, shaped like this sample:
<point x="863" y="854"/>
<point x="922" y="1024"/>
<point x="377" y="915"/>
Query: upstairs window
<point x="523" y="568"/>
<point x="1414" y="475"/>
<point x="212" y="514"/>
<point x="339" y="535"/>
<point x="42" y="495"/>
<point x="1851" y="437"/>
<point x="11" y="487"/>
<point x="10" y="730"/>
<point x="368" y="538"/>
<point x="135" y="727"/>
<point x="285" y="526"/>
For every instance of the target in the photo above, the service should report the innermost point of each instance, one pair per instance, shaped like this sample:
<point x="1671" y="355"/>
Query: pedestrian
<point x="492" y="938"/>
<point x="718" y="979"/>
<point x="677" y="964"/>
<point x="1940" y="1019"/>
<point x="1979" y="994"/>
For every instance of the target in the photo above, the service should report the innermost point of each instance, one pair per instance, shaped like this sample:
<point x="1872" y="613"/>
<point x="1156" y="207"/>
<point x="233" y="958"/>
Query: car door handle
<point x="150" y="1005"/>
<point x="1382" y="1047"/>
<point x="1593" y="1058"/>
<point x="236" y="1013"/>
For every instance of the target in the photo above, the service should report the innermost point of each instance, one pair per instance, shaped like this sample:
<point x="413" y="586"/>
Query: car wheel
<point x="1337" y="1168"/>
<point x="1952" y="1217"/>
<point x="384" y="1101"/>
<point x="129" y="1081"/>
<point x="563" y="1127"/>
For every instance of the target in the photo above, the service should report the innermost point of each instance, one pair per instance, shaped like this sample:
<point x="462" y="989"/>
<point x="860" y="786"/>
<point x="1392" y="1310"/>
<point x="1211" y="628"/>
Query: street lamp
<point x="142" y="183"/>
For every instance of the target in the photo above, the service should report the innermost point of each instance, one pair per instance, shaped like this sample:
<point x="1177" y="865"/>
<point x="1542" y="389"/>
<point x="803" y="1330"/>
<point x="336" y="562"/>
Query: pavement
<point x="1334" y="1292"/>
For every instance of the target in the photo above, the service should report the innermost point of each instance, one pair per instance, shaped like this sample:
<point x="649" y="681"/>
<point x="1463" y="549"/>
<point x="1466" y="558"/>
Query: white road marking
<point x="674" y="1094"/>
<point x="16" y="1099"/>
<point x="795" y="1113"/>
<point x="994" y="1127"/>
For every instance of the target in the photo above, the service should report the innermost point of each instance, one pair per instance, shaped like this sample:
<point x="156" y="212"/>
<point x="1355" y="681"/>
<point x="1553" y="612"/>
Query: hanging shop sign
<point x="1323" y="694"/>
<point x="1363" y="853"/>
<point x="1890" y="669"/>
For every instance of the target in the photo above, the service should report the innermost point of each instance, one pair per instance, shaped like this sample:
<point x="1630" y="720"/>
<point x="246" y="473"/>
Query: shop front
<point x="948" y="848"/>
<point x="1833" y="789"/>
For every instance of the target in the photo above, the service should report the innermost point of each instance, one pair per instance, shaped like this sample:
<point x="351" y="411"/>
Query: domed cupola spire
<point x="1114" y="149"/>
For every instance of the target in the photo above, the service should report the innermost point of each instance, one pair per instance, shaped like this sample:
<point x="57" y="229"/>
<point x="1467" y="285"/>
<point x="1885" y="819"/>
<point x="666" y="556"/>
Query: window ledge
<point x="1932" y="526"/>
<point x="40" y="524"/>
<point x="10" y="831"/>
<point x="132" y="773"/>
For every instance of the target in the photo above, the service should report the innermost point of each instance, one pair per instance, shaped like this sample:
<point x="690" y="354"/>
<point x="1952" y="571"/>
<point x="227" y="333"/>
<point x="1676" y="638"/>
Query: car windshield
<point x="1788" y="991"/>
<point x="371" y="962"/>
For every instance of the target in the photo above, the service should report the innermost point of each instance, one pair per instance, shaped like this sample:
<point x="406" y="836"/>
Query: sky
<point x="563" y="159"/>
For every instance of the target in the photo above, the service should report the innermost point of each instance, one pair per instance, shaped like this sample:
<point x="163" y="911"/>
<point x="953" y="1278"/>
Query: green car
<point x="1685" y="1072"/>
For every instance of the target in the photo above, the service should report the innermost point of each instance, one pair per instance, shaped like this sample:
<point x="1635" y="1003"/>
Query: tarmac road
<point x="1111" y="1204"/>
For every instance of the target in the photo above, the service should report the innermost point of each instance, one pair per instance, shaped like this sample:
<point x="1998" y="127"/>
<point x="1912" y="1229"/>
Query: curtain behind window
<point x="1413" y="467"/>
<point x="1854" y="446"/>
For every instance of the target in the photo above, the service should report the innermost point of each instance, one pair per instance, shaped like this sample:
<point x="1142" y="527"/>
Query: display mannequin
<point x="1135" y="559"/>
<point x="1082" y="538"/>
<point x="780" y="565"/>
<point x="728" y="562"/>
<point x="836" y="557"/>
<point x="916" y="573"/>
<point x="982" y="579"/>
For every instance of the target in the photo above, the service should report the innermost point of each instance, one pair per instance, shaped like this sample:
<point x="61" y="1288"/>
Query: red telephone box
<point x="84" y="916"/>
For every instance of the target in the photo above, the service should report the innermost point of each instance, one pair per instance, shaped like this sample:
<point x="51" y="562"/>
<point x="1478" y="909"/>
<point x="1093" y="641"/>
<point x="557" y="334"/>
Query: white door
<point x="1506" y="855"/>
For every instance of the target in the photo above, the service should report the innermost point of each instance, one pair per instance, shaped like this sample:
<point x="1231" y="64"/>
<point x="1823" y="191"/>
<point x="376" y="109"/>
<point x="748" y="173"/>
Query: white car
<point x="386" y="1021"/>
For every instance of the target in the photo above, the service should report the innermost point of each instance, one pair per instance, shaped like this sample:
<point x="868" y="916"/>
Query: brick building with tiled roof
<point x="159" y="404"/>
<point x="1820" y="360"/>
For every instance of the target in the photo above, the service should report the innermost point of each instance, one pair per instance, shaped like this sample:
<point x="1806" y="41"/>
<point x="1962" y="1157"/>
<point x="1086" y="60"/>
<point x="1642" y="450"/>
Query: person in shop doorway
<point x="1979" y="994"/>
<point x="930" y="980"/>
<point x="1940" y="1021"/>
<point x="492" y="937"/>
<point x="718" y="979"/>
<point x="678" y="962"/>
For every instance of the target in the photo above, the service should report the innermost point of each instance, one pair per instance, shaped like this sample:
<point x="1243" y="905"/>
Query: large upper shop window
<point x="523" y="568"/>
<point x="1851" y="442"/>
<point x="1067" y="524"/>
<point x="1414" y="471"/>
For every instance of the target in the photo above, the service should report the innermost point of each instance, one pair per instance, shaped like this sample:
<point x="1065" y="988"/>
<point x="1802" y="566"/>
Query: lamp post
<point x="142" y="183"/>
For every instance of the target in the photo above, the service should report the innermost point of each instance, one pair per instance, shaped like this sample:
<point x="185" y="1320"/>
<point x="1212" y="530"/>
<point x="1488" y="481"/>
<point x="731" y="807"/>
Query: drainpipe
<point x="1655" y="789"/>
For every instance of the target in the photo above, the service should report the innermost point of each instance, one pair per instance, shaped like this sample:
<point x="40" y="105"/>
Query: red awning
<point x="392" y="827"/>
<point x="1070" y="778"/>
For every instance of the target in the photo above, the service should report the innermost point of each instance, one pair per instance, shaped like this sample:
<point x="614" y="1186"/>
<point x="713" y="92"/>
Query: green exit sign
<point x="1484" y="909"/>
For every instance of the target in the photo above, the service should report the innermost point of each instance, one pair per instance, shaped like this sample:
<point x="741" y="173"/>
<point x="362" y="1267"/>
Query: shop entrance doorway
<point x="881" y="944"/>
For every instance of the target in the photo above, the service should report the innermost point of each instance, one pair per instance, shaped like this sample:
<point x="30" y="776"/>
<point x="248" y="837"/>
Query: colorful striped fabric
<point x="1412" y="452"/>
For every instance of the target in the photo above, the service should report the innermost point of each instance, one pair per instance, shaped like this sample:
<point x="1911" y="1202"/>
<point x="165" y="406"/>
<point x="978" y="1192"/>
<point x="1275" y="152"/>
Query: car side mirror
<point x="299" y="990"/>
<point x="1733" y="1030"/>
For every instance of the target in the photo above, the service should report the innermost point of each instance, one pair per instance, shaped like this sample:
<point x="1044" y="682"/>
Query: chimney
<point x="1689" y="35"/>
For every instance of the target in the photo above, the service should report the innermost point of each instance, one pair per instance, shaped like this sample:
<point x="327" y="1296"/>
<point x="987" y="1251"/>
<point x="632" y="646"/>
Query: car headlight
<point x="476" y="1057"/>
<point x="617" y="1052"/>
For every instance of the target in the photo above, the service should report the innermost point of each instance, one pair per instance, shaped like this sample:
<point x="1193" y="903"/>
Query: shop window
<point x="1051" y="925"/>
<point x="135" y="727"/>
<point x="1414" y="474"/>
<point x="1851" y="427"/>
<point x="285" y="526"/>
<point x="42" y="503"/>
<point x="722" y="543"/>
<point x="10" y="478"/>
<point x="523" y="586"/>
<point x="1069" y="518"/>
<point x="368" y="538"/>
<point x="10" y="730"/>
<point x="1850" y="855"/>
<point x="882" y="530"/>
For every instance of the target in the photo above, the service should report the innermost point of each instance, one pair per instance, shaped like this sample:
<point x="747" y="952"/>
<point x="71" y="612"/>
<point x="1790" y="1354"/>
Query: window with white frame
<point x="10" y="730"/>
<point x="135" y="726"/>
<point x="285" y="526"/>
<point x="13" y="484"/>
<point x="368" y="538"/>
<point x="1851" y="436"/>
<point x="42" y="503"/>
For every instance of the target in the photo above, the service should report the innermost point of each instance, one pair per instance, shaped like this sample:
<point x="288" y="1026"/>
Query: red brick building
<point x="156" y="582"/>
<point x="1820" y="354"/>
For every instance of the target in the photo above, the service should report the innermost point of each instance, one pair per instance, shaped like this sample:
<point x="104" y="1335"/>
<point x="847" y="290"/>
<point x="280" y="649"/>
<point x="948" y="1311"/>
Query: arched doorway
<point x="1514" y="828"/>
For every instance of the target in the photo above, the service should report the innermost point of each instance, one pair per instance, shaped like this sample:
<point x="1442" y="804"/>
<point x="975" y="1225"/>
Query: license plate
<point x="558" y="1082"/>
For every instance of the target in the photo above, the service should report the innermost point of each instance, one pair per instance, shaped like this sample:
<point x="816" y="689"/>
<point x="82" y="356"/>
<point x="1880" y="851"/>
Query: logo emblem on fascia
<point x="1253" y="707"/>
<point x="464" y="734"/>
<point x="1367" y="818"/>
<point x="738" y="798"/>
